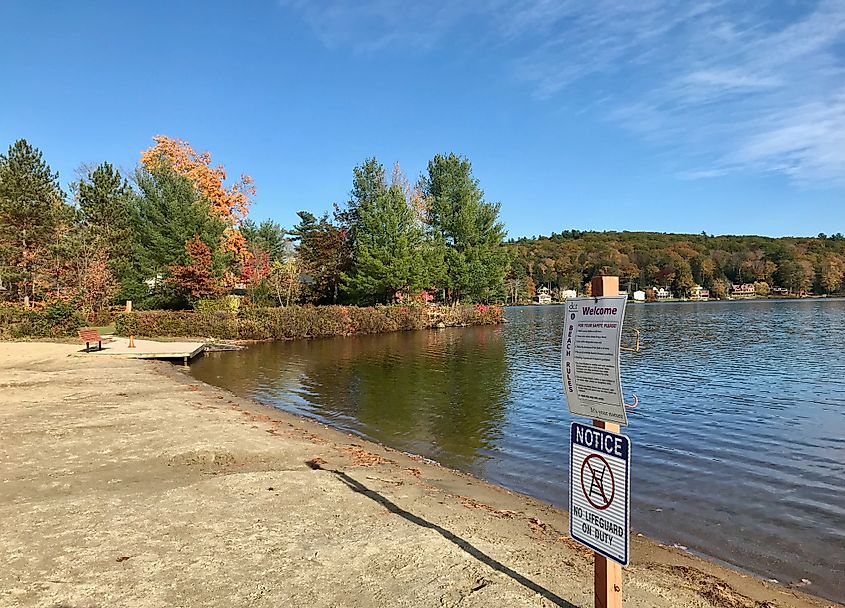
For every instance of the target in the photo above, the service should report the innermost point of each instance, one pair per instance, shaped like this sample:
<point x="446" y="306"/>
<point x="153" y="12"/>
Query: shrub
<point x="293" y="322"/>
<point x="55" y="320"/>
<point x="225" y="303"/>
<point x="159" y="323"/>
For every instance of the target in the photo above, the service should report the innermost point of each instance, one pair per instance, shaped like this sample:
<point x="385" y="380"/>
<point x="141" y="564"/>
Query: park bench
<point x="89" y="336"/>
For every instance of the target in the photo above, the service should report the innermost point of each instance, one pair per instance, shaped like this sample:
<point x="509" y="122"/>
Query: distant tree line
<point x="567" y="260"/>
<point x="175" y="233"/>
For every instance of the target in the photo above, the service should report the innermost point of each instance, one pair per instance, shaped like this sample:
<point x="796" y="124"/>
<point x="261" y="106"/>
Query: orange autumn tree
<point x="230" y="203"/>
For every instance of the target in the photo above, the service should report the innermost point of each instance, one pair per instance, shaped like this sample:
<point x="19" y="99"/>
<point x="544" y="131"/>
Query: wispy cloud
<point x="375" y="25"/>
<point x="722" y="88"/>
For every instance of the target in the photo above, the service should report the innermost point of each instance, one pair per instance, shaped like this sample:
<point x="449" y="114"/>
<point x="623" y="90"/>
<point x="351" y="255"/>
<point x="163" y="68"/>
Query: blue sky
<point x="609" y="115"/>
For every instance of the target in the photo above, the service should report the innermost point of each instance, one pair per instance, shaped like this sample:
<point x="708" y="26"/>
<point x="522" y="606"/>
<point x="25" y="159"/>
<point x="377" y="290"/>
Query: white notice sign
<point x="589" y="358"/>
<point x="600" y="490"/>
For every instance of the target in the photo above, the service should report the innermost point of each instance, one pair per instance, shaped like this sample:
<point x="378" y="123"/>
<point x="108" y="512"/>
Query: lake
<point x="738" y="443"/>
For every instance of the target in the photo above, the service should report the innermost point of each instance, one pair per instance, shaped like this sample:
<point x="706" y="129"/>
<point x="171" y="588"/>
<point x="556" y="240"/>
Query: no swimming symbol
<point x="597" y="482"/>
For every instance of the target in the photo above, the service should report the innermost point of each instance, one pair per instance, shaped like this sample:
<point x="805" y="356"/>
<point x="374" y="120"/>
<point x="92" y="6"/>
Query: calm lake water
<point x="738" y="443"/>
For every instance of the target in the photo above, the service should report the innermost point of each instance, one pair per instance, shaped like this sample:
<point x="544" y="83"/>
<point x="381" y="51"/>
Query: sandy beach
<point x="128" y="483"/>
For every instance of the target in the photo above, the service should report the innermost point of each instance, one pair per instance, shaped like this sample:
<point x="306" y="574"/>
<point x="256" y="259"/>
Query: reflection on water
<point x="442" y="394"/>
<point x="738" y="444"/>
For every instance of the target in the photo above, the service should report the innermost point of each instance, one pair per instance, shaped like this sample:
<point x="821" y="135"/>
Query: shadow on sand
<point x="357" y="486"/>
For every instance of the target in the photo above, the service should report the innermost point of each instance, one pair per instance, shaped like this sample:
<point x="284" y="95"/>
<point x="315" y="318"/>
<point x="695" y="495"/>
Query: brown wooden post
<point x="607" y="577"/>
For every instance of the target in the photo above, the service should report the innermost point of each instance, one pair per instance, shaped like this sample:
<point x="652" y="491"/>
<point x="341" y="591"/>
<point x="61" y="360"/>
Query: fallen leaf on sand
<point x="470" y="503"/>
<point x="363" y="458"/>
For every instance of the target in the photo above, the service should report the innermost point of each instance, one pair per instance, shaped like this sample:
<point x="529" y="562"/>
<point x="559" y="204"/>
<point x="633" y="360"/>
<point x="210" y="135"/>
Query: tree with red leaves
<point x="197" y="277"/>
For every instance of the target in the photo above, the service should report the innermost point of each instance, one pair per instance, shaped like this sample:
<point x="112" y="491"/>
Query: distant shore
<point x="711" y="300"/>
<point x="129" y="483"/>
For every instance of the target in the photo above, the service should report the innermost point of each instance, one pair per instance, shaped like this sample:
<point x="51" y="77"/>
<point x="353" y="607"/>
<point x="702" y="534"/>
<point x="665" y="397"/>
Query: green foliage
<point x="387" y="249"/>
<point x="56" y="319"/>
<point x="168" y="211"/>
<point x="101" y="244"/>
<point x="104" y="198"/>
<point x="31" y="209"/>
<point x="176" y="323"/>
<point x="293" y="322"/>
<point x="568" y="260"/>
<point x="229" y="304"/>
<point x="467" y="229"/>
<point x="268" y="236"/>
<point x="368" y="187"/>
<point x="323" y="255"/>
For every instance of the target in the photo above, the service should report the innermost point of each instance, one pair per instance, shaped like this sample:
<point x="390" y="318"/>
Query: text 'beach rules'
<point x="592" y="337"/>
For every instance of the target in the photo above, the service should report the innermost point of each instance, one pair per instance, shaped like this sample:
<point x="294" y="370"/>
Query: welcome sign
<point x="589" y="363"/>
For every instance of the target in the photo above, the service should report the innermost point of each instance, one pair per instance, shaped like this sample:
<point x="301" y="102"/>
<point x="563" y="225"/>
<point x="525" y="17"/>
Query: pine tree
<point x="388" y="255"/>
<point x="323" y="257"/>
<point x="468" y="229"/>
<point x="104" y="199"/>
<point x="31" y="209"/>
<point x="268" y="236"/>
<point x="168" y="212"/>
<point x="368" y="184"/>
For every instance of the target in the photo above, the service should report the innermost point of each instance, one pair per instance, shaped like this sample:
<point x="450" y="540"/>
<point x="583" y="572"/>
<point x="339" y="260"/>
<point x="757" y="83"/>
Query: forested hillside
<point x="567" y="260"/>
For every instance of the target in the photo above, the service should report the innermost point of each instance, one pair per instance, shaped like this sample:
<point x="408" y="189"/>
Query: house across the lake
<point x="566" y="294"/>
<point x="779" y="291"/>
<point x="639" y="296"/>
<point x="543" y="296"/>
<point x="662" y="293"/>
<point x="746" y="290"/>
<point x="699" y="293"/>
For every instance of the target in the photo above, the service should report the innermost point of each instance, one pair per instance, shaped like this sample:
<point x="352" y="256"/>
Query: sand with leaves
<point x="126" y="483"/>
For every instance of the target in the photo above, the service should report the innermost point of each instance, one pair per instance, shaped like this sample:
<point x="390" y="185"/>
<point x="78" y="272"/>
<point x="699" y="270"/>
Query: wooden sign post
<point x="607" y="577"/>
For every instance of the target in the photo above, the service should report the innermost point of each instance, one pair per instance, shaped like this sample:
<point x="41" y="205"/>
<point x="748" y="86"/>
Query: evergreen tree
<point x="268" y="236"/>
<point x="31" y="210"/>
<point x="307" y="223"/>
<point x="388" y="255"/>
<point x="168" y="212"/>
<point x="467" y="227"/>
<point x="104" y="199"/>
<point x="368" y="185"/>
<point x="323" y="257"/>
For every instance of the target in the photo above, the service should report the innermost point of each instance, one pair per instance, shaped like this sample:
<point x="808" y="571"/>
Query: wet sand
<point x="127" y="483"/>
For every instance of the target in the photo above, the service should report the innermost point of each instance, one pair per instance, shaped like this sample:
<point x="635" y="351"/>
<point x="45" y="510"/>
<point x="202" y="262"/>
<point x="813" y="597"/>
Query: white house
<point x="566" y="294"/>
<point x="543" y="296"/>
<point x="661" y="293"/>
<point x="639" y="296"/>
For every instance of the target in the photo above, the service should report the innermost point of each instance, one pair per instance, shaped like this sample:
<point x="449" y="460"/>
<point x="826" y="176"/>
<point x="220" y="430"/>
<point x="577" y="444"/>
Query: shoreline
<point x="132" y="482"/>
<point x="707" y="301"/>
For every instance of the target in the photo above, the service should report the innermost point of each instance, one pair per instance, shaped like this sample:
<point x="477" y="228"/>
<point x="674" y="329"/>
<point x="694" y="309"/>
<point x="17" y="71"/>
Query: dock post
<point x="607" y="574"/>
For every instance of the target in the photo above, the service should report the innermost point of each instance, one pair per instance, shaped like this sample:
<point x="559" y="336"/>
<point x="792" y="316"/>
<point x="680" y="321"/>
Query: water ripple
<point x="738" y="444"/>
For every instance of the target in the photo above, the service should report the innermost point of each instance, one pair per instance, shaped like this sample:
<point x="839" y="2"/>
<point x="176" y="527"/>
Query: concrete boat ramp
<point x="114" y="346"/>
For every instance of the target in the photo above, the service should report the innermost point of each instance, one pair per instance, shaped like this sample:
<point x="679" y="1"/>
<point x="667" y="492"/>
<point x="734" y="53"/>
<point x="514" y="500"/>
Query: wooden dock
<point x="145" y="349"/>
